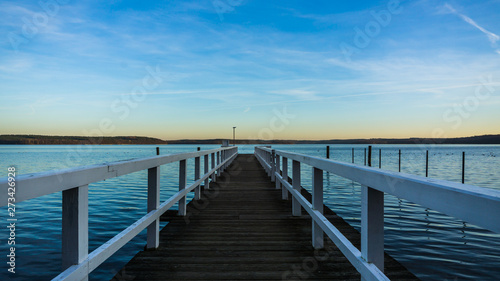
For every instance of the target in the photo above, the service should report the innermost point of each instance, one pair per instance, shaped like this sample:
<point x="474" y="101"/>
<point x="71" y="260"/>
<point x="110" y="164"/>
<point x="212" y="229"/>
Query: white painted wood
<point x="98" y="256"/>
<point x="153" y="232"/>
<point x="75" y="232"/>
<point x="372" y="226"/>
<point x="317" y="204"/>
<point x="182" y="186"/>
<point x="218" y="162"/>
<point x="284" y="191"/>
<point x="296" y="209"/>
<point x="465" y="202"/>
<point x="207" y="181"/>
<point x="273" y="166"/>
<point x="39" y="184"/>
<point x="368" y="270"/>
<point x="278" y="171"/>
<point x="106" y="250"/>
<point x="214" y="178"/>
<point x="197" y="194"/>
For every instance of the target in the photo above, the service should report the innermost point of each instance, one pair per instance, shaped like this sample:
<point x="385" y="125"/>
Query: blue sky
<point x="275" y="69"/>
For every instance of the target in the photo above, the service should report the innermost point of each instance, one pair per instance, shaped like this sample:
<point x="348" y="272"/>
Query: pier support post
<point x="182" y="186"/>
<point x="218" y="162"/>
<point x="213" y="166"/>
<point x="317" y="204"/>
<point x="399" y="165"/>
<point x="284" y="191"/>
<point x="273" y="165"/>
<point x="75" y="226"/>
<point x="153" y="232"/>
<point x="207" y="180"/>
<point x="372" y="226"/>
<point x="278" y="170"/>
<point x="327" y="152"/>
<point x="296" y="208"/>
<point x="197" y="195"/>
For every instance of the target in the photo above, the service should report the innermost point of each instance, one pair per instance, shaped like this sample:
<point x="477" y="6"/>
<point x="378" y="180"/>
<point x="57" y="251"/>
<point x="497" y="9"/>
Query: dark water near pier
<point x="432" y="245"/>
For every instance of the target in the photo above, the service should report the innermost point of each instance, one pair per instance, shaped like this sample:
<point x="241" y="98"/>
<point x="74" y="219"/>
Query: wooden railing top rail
<point x="39" y="184"/>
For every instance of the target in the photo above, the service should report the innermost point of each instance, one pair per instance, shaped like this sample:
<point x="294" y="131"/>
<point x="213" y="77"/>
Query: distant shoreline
<point x="124" y="140"/>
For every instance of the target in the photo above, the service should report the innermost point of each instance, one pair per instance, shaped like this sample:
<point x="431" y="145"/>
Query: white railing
<point x="77" y="262"/>
<point x="479" y="206"/>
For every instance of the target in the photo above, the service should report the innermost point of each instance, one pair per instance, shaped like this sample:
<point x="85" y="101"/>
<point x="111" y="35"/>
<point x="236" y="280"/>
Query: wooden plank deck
<point x="241" y="229"/>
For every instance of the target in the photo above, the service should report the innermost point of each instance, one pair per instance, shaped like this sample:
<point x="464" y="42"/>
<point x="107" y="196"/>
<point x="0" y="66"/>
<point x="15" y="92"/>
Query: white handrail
<point x="466" y="202"/>
<point x="74" y="184"/>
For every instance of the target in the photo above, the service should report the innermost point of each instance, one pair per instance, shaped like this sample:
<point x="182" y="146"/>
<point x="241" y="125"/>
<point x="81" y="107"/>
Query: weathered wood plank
<point x="241" y="229"/>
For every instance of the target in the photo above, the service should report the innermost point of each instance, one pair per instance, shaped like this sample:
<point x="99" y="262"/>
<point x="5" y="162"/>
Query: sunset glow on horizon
<point x="275" y="70"/>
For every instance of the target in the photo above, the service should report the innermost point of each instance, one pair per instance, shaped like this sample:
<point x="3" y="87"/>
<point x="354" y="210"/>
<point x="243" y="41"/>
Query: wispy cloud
<point x="492" y="37"/>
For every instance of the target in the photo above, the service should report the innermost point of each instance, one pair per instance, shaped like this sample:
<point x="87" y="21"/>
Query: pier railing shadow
<point x="74" y="184"/>
<point x="473" y="204"/>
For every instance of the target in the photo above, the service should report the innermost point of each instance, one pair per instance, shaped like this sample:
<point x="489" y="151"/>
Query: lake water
<point x="432" y="245"/>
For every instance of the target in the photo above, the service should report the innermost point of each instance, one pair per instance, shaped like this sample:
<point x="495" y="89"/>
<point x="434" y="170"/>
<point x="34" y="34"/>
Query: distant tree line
<point x="39" y="139"/>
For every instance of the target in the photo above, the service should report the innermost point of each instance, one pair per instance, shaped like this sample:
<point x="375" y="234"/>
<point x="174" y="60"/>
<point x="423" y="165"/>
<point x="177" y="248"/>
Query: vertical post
<point x="273" y="165"/>
<point x="218" y="162"/>
<point x="284" y="191"/>
<point x="296" y="208"/>
<point x="75" y="229"/>
<point x="182" y="186"/>
<point x="463" y="167"/>
<point x="353" y="155"/>
<point x="207" y="180"/>
<point x="427" y="163"/>
<point x="157" y="150"/>
<point x="197" y="195"/>
<point x="222" y="159"/>
<point x="153" y="232"/>
<point x="365" y="156"/>
<point x="369" y="155"/>
<point x="372" y="223"/>
<point x="278" y="170"/>
<point x="213" y="166"/>
<point x="400" y="160"/>
<point x="380" y="158"/>
<point x="327" y="152"/>
<point x="372" y="226"/>
<point x="198" y="149"/>
<point x="317" y="204"/>
<point x="234" y="136"/>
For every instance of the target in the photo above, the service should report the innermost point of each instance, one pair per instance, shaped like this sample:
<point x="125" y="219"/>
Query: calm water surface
<point x="432" y="245"/>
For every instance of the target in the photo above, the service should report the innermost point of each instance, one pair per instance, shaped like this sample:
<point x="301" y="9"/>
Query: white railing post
<point x="372" y="226"/>
<point x="207" y="180"/>
<point x="197" y="195"/>
<point x="214" y="179"/>
<point x="273" y="165"/>
<point x="182" y="186"/>
<point x="278" y="170"/>
<point x="153" y="232"/>
<point x="296" y="208"/>
<point x="284" y="191"/>
<point x="218" y="163"/>
<point x="223" y="158"/>
<point x="317" y="204"/>
<point x="75" y="226"/>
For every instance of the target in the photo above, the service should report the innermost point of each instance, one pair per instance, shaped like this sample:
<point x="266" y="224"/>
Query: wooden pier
<point x="242" y="229"/>
<point x="251" y="220"/>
